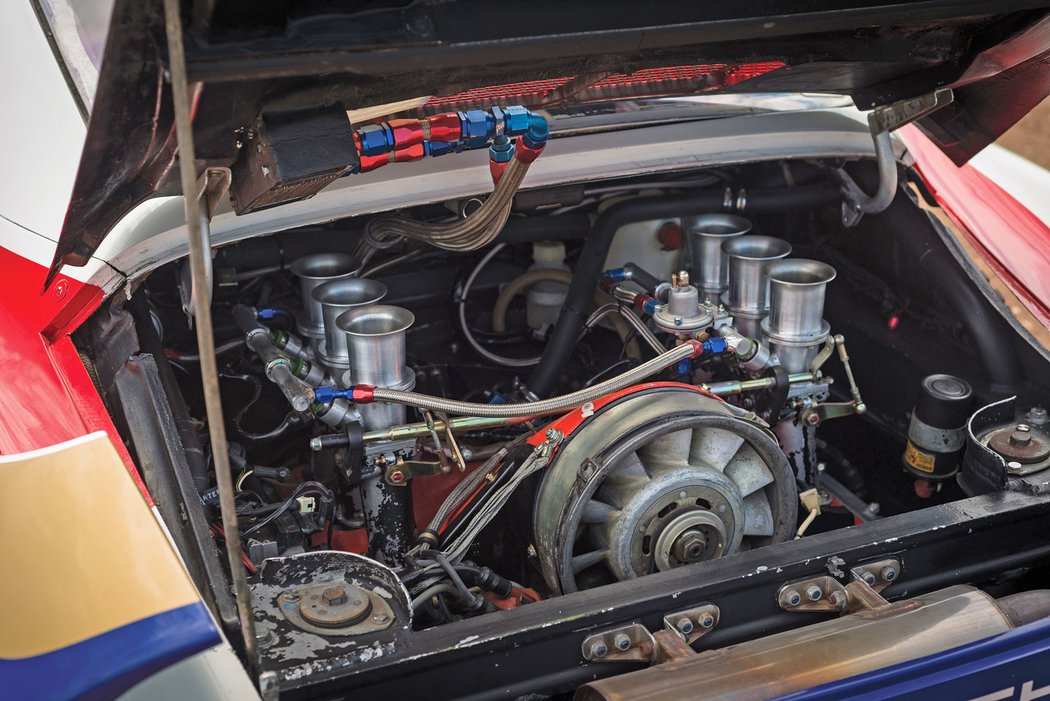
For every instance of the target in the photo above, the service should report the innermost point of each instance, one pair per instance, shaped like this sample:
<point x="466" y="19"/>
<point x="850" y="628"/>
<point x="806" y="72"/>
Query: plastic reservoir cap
<point x="549" y="252"/>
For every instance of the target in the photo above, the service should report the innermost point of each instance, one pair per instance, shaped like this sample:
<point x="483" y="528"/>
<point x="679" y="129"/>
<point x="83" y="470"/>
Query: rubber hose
<point x="523" y="282"/>
<point x="596" y="249"/>
<point x="992" y="336"/>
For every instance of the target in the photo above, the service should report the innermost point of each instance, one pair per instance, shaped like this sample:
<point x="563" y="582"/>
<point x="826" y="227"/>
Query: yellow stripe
<point x="83" y="553"/>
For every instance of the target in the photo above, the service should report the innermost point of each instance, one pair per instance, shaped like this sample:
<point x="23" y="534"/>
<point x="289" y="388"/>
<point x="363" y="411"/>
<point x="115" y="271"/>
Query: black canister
<point x="937" y="431"/>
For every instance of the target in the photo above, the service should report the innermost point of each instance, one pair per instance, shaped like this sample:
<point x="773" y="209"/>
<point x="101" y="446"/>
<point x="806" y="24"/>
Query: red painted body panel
<point x="1015" y="242"/>
<point x="46" y="395"/>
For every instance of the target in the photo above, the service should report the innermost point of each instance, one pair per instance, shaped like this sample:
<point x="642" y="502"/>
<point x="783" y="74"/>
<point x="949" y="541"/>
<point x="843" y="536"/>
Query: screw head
<point x="684" y="625"/>
<point x="791" y="597"/>
<point x="334" y="596"/>
<point x="598" y="649"/>
<point x="706" y="620"/>
<point x="888" y="573"/>
<point x="814" y="593"/>
<point x="622" y="642"/>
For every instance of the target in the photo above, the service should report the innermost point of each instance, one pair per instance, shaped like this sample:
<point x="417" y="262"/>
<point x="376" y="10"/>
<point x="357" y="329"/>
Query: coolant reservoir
<point x="544" y="299"/>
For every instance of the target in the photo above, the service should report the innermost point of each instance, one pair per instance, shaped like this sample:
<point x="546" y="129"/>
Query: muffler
<point x="854" y="644"/>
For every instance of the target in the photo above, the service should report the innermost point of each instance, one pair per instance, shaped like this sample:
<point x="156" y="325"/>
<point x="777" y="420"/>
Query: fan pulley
<point x="661" y="478"/>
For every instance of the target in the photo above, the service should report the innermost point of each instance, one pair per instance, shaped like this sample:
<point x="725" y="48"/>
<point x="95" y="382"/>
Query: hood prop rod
<point x="881" y="122"/>
<point x="199" y="249"/>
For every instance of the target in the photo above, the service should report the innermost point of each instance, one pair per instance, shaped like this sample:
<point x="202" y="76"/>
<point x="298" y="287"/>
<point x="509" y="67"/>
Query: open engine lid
<point x="247" y="58"/>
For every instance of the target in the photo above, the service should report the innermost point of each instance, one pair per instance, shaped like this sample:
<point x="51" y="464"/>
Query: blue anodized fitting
<point x="501" y="150"/>
<point x="376" y="139"/>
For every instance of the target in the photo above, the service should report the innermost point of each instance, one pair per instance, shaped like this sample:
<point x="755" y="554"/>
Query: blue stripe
<point x="109" y="664"/>
<point x="998" y="663"/>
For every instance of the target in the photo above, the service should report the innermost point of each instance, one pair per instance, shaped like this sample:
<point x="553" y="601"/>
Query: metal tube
<point x="748" y="297"/>
<point x="335" y="298"/>
<point x="723" y="389"/>
<point x="704" y="236"/>
<point x="799" y="659"/>
<point x="795" y="325"/>
<point x="544" y="406"/>
<point x="313" y="271"/>
<point x="205" y="332"/>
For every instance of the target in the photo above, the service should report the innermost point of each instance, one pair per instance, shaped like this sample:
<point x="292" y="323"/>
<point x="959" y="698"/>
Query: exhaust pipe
<point x="748" y="297"/>
<point x="315" y="270"/>
<point x="855" y="644"/>
<point x="704" y="236"/>
<point x="795" y="326"/>
<point x="337" y="297"/>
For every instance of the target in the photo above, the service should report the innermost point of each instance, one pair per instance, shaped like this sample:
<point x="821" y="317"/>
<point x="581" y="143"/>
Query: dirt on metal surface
<point x="1030" y="138"/>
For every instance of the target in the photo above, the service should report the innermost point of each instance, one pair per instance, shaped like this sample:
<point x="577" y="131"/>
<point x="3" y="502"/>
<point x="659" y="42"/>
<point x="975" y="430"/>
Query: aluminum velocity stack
<point x="704" y="236"/>
<point x="748" y="296"/>
<point x="313" y="271"/>
<point x="375" y="337"/>
<point x="337" y="297"/>
<point x="795" y="326"/>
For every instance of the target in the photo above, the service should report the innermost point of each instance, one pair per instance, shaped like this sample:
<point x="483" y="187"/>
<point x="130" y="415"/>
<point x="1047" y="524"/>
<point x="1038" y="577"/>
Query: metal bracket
<point x="827" y="594"/>
<point x="892" y="117"/>
<point x="881" y="122"/>
<point x="632" y="643"/>
<point x="212" y="187"/>
<point x="819" y="413"/>
<point x="692" y="624"/>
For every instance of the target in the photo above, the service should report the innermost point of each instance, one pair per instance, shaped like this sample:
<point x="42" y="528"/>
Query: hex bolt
<point x="598" y="649"/>
<point x="334" y="596"/>
<point x="814" y="593"/>
<point x="706" y="620"/>
<point x="790" y="597"/>
<point x="888" y="573"/>
<point x="837" y="599"/>
<point x="380" y="618"/>
<point x="684" y="625"/>
<point x="622" y="642"/>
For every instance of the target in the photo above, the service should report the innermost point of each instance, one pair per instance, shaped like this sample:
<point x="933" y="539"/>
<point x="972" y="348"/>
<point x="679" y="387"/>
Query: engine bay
<point x="613" y="379"/>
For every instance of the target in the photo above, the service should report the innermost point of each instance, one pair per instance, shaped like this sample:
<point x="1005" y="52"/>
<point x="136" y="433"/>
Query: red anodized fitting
<point x="363" y="394"/>
<point x="444" y="127"/>
<point x="407" y="132"/>
<point x="409" y="153"/>
<point x="368" y="163"/>
<point x="525" y="154"/>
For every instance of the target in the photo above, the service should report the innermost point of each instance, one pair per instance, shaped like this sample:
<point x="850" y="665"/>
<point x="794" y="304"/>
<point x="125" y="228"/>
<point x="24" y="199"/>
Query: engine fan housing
<point x="659" y="477"/>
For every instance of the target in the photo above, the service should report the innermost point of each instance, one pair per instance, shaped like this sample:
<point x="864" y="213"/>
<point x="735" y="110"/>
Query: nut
<point x="622" y="642"/>
<point x="706" y="620"/>
<point x="888" y="573"/>
<point x="684" y="625"/>
<point x="814" y="593"/>
<point x="790" y="597"/>
<point x="380" y="618"/>
<point x="598" y="649"/>
<point x="837" y="599"/>
<point x="868" y="577"/>
<point x="292" y="596"/>
<point x="396" y="476"/>
<point x="333" y="596"/>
